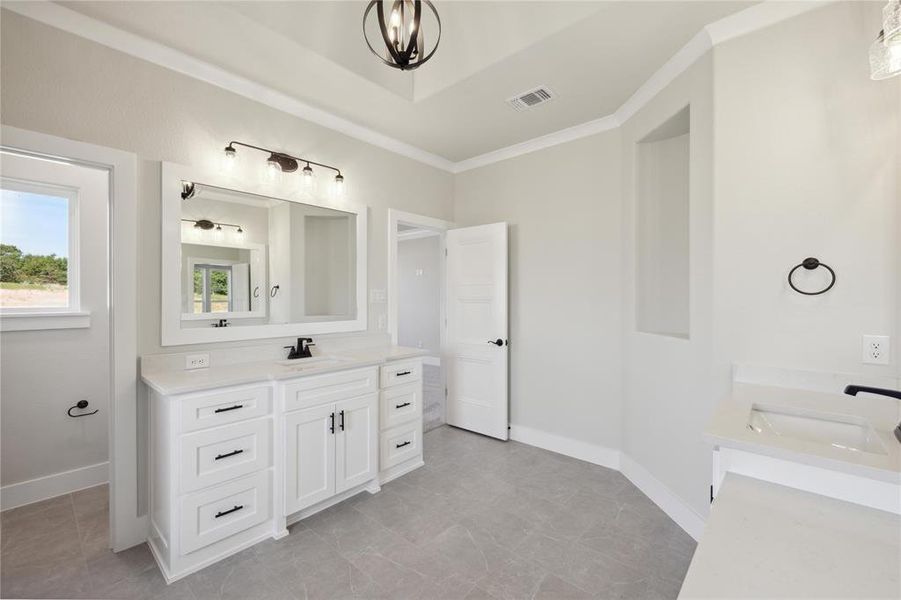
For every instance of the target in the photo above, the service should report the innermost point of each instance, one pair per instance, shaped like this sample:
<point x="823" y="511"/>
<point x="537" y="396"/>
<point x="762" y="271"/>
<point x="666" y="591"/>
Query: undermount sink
<point x="845" y="432"/>
<point x="314" y="362"/>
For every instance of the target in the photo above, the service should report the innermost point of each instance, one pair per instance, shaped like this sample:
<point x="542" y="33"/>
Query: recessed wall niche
<point x="662" y="192"/>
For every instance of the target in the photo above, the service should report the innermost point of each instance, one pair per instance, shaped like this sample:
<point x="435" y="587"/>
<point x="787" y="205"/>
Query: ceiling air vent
<point x="532" y="98"/>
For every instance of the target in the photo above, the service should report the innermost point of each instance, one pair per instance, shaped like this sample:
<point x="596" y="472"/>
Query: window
<point x="38" y="248"/>
<point x="212" y="289"/>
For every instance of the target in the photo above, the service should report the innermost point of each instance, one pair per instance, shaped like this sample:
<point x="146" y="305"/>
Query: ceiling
<point x="592" y="55"/>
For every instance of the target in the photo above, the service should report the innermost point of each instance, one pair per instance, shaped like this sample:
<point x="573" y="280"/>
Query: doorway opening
<point x="69" y="335"/>
<point x="416" y="301"/>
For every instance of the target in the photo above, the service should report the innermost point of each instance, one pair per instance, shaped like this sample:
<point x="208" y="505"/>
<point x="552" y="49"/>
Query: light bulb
<point x="307" y="177"/>
<point x="272" y="167"/>
<point x="229" y="156"/>
<point x="395" y="18"/>
<point x="339" y="184"/>
<point x="239" y="234"/>
<point x="218" y="234"/>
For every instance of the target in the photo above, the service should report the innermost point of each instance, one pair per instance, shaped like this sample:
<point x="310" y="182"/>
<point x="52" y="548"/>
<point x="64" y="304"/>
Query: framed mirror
<point x="243" y="263"/>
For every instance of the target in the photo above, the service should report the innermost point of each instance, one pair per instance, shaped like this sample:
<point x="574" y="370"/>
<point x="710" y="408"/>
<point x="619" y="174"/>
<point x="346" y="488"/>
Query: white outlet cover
<point x="876" y="349"/>
<point x="197" y="361"/>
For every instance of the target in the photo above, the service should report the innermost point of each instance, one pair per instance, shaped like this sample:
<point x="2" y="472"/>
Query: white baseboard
<point x="599" y="455"/>
<point x="50" y="486"/>
<point x="653" y="488"/>
<point x="662" y="496"/>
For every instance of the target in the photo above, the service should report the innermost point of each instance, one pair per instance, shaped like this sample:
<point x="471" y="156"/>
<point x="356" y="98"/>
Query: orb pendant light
<point x="403" y="43"/>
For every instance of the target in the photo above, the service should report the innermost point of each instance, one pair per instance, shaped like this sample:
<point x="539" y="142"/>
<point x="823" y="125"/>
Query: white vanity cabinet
<point x="211" y="475"/>
<point x="331" y="435"/>
<point x="233" y="465"/>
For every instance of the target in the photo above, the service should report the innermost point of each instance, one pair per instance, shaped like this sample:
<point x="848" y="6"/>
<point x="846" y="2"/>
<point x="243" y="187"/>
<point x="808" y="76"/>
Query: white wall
<point x="668" y="395"/>
<point x="563" y="207"/>
<point x="419" y="293"/>
<point x="809" y="171"/>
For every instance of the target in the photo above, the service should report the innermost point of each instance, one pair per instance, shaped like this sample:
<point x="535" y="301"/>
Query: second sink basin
<point x="845" y="432"/>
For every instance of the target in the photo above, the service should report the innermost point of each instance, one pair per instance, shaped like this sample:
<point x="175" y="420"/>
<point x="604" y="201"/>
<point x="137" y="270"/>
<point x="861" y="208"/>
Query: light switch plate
<point x="197" y="361"/>
<point x="876" y="349"/>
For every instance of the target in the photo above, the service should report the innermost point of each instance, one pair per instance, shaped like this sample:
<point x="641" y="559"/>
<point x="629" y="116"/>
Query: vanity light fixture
<point x="279" y="162"/>
<point x="206" y="225"/>
<point x="402" y="34"/>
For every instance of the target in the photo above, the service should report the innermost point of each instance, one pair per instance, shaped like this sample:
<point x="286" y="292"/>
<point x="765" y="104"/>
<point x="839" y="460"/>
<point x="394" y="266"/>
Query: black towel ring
<point x="810" y="264"/>
<point x="82" y="404"/>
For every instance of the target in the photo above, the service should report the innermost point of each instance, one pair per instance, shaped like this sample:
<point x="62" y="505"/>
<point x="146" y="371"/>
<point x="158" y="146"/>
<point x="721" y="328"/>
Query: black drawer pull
<point x="402" y="373"/>
<point x="235" y="407"/>
<point x="342" y="420"/>
<point x="402" y="405"/>
<point x="332" y="425"/>
<point x="402" y="445"/>
<point x="229" y="511"/>
<point x="227" y="454"/>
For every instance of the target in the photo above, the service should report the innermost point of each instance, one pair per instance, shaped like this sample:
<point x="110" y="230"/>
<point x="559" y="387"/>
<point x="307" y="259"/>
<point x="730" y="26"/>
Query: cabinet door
<point x="356" y="442"/>
<point x="310" y="465"/>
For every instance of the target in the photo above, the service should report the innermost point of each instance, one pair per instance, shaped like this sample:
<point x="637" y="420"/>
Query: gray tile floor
<point x="484" y="519"/>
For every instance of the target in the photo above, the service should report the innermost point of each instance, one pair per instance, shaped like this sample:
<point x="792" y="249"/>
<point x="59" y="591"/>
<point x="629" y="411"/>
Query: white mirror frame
<point x="172" y="333"/>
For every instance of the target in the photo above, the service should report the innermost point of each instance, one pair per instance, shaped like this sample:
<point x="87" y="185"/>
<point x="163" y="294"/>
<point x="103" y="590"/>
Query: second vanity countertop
<point x="764" y="540"/>
<point x="170" y="382"/>
<point x="729" y="428"/>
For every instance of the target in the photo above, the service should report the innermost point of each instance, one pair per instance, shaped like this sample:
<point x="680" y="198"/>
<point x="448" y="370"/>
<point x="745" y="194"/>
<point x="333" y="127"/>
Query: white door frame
<point x="127" y="527"/>
<point x="399" y="217"/>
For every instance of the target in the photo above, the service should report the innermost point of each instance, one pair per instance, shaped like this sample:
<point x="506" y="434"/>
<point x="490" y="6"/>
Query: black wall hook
<point x="810" y="264"/>
<point x="81" y="404"/>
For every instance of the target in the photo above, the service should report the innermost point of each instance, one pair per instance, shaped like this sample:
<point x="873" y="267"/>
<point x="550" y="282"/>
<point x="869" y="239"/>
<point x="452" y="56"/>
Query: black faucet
<point x="302" y="349"/>
<point x="853" y="389"/>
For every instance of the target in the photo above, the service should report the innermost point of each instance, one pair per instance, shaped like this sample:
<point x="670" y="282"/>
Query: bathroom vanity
<point x="240" y="451"/>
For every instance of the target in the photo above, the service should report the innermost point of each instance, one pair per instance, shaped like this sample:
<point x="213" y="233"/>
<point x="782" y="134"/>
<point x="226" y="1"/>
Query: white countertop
<point x="169" y="382"/>
<point x="729" y="428"/>
<point x="764" y="540"/>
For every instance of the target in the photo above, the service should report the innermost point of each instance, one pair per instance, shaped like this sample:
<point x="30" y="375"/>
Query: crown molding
<point x="741" y="23"/>
<point x="545" y="141"/>
<point x="102" y="33"/>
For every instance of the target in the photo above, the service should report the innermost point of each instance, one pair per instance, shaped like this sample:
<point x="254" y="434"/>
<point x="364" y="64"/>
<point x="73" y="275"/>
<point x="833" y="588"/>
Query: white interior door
<point x="476" y="351"/>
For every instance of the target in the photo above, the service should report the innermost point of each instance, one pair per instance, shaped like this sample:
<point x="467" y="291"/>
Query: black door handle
<point x="342" y="420"/>
<point x="227" y="454"/>
<point x="402" y="405"/>
<point x="402" y="445"/>
<point x="235" y="407"/>
<point x="332" y="426"/>
<point x="497" y="342"/>
<point x="229" y="511"/>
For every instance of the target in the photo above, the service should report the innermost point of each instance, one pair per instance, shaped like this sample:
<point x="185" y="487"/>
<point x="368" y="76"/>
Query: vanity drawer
<point x="331" y="387"/>
<point x="400" y="404"/>
<point x="400" y="444"/>
<point x="215" y="514"/>
<point x="221" y="408"/>
<point x="216" y="455"/>
<point x="401" y="372"/>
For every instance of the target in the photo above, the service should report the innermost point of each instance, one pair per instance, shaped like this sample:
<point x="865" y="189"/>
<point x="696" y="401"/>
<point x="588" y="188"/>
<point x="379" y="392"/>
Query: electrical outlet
<point x="876" y="349"/>
<point x="197" y="361"/>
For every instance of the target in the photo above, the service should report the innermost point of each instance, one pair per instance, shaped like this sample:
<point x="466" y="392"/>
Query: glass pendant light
<point x="339" y="185"/>
<point x="885" y="59"/>
<point x="307" y="177"/>
<point x="229" y="157"/>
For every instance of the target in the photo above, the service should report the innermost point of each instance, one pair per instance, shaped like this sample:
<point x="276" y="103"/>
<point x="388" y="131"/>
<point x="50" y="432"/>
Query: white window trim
<point x="51" y="317"/>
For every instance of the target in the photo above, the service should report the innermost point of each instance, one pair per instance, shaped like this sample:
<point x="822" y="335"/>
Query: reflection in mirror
<point x="253" y="260"/>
